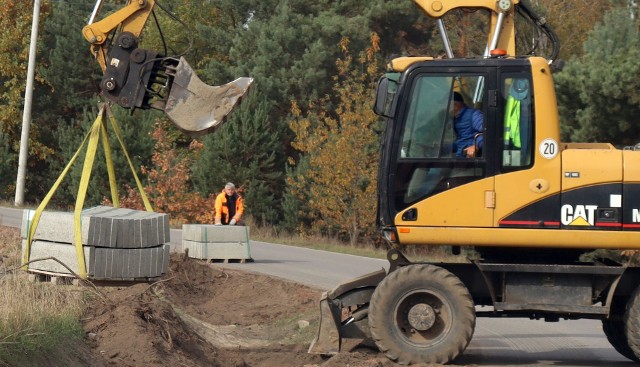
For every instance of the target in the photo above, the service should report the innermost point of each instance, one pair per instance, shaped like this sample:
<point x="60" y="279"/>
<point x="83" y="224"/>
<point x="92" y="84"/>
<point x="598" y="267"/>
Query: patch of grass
<point x="292" y="333"/>
<point x="36" y="317"/>
<point x="321" y="243"/>
<point x="10" y="204"/>
<point x="414" y="253"/>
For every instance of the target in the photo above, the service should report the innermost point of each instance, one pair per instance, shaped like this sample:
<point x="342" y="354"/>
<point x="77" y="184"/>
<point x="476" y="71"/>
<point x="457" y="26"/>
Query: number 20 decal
<point x="548" y="148"/>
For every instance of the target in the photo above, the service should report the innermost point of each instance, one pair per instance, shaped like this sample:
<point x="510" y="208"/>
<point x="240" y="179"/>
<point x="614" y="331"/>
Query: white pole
<point x="26" y="115"/>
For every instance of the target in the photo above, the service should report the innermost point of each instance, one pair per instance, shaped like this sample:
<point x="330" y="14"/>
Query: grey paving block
<point x="212" y="233"/>
<point x="102" y="227"/>
<point x="93" y="228"/>
<point x="166" y="252"/>
<point x="136" y="238"/>
<point x="167" y="228"/>
<point x="157" y="259"/>
<point x="98" y="268"/>
<point x="154" y="231"/>
<point x="218" y="250"/>
<point x="119" y="265"/>
<point x="145" y="265"/>
<point x="103" y="231"/>
<point x="101" y="262"/>
<point x="92" y="261"/>
<point x="145" y="232"/>
<point x="112" y="225"/>
<point x="99" y="210"/>
<point x="134" y="263"/>
<point x="128" y="228"/>
<point x="125" y="233"/>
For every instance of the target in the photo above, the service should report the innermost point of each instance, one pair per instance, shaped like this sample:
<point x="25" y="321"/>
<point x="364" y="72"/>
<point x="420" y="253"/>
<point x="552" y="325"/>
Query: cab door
<point x="527" y="186"/>
<point x="429" y="184"/>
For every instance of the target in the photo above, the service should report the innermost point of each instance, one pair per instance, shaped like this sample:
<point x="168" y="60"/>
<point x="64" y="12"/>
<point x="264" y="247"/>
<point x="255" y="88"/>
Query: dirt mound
<point x="133" y="327"/>
<point x="221" y="297"/>
<point x="200" y="315"/>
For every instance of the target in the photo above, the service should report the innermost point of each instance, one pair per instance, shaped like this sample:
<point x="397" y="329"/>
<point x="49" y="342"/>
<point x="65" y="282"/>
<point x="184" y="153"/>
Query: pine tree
<point x="136" y="134"/>
<point x="246" y="152"/>
<point x="8" y="164"/>
<point x="599" y="93"/>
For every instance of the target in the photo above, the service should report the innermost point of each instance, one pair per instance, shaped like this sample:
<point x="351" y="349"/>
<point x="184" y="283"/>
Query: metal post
<point x="445" y="38"/>
<point x="496" y="32"/>
<point x="96" y="9"/>
<point x="26" y="116"/>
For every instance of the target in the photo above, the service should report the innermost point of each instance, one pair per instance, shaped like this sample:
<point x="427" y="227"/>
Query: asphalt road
<point x="496" y="342"/>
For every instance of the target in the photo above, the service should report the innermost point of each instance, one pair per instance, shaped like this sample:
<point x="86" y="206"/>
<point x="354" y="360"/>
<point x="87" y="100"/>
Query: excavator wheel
<point x="421" y="314"/>
<point x="614" y="330"/>
<point x="632" y="326"/>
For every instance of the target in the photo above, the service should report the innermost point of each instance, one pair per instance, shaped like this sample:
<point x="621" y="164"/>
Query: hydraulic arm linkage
<point x="502" y="31"/>
<point x="138" y="78"/>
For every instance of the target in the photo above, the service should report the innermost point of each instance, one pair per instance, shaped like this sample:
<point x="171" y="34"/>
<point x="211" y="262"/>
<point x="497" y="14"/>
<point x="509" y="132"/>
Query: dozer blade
<point x="197" y="108"/>
<point x="328" y="340"/>
<point x="350" y="299"/>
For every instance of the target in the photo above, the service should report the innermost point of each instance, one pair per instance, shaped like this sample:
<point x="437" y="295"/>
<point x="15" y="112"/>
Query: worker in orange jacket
<point x="229" y="206"/>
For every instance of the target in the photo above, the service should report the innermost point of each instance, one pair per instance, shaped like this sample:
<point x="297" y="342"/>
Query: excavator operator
<point x="468" y="124"/>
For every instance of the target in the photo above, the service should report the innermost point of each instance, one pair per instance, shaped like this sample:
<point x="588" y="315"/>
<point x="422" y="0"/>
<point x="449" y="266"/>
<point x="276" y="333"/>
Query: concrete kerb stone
<point x="210" y="242"/>
<point x="101" y="262"/>
<point x="64" y="252"/>
<point x="54" y="226"/>
<point x="212" y="233"/>
<point x="121" y="228"/>
<point x="217" y="250"/>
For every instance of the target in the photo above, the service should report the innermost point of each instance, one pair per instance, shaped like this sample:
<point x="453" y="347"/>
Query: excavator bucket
<point x="197" y="108"/>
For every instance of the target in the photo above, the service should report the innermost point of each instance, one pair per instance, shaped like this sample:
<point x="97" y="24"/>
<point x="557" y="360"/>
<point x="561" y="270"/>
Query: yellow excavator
<point x="138" y="78"/>
<point x="529" y="205"/>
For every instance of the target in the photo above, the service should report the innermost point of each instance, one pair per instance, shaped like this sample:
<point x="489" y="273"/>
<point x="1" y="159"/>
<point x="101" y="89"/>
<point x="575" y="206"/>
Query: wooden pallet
<point x="226" y="261"/>
<point x="53" y="278"/>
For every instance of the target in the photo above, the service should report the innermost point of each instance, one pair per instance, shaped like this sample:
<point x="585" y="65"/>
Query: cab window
<point x="431" y="157"/>
<point x="517" y="123"/>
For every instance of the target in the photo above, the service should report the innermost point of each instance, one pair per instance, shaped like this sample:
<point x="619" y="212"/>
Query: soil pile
<point x="200" y="314"/>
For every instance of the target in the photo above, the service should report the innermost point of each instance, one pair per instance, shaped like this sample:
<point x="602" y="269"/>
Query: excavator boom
<point x="134" y="77"/>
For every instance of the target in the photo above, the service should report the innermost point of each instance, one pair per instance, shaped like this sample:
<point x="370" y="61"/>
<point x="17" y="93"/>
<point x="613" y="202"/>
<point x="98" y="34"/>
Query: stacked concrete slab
<point x="211" y="242"/>
<point x="118" y="244"/>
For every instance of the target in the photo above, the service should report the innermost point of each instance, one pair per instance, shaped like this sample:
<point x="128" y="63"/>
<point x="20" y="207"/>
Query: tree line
<point x="303" y="146"/>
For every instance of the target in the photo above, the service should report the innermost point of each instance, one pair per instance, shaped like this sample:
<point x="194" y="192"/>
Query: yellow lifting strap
<point x="98" y="130"/>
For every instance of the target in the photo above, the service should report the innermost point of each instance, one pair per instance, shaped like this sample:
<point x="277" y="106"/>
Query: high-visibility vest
<point x="512" y="122"/>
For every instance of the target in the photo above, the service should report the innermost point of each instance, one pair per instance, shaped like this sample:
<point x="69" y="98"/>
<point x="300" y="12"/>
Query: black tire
<point x="445" y="315"/>
<point x="615" y="332"/>
<point x="632" y="326"/>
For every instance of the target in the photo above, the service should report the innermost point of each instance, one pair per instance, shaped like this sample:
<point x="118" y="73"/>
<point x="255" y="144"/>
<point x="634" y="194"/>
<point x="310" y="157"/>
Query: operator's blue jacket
<point x="467" y="124"/>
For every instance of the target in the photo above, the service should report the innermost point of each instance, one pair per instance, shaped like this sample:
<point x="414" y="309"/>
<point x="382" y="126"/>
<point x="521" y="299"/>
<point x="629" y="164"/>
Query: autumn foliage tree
<point x="340" y="147"/>
<point x="168" y="183"/>
<point x="15" y="27"/>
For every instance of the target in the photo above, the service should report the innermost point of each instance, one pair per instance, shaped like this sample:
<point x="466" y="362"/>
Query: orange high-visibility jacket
<point x="222" y="211"/>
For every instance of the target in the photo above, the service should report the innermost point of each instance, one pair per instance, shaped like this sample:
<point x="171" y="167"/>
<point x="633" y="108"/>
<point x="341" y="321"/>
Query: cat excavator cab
<point x="529" y="205"/>
<point x="134" y="77"/>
